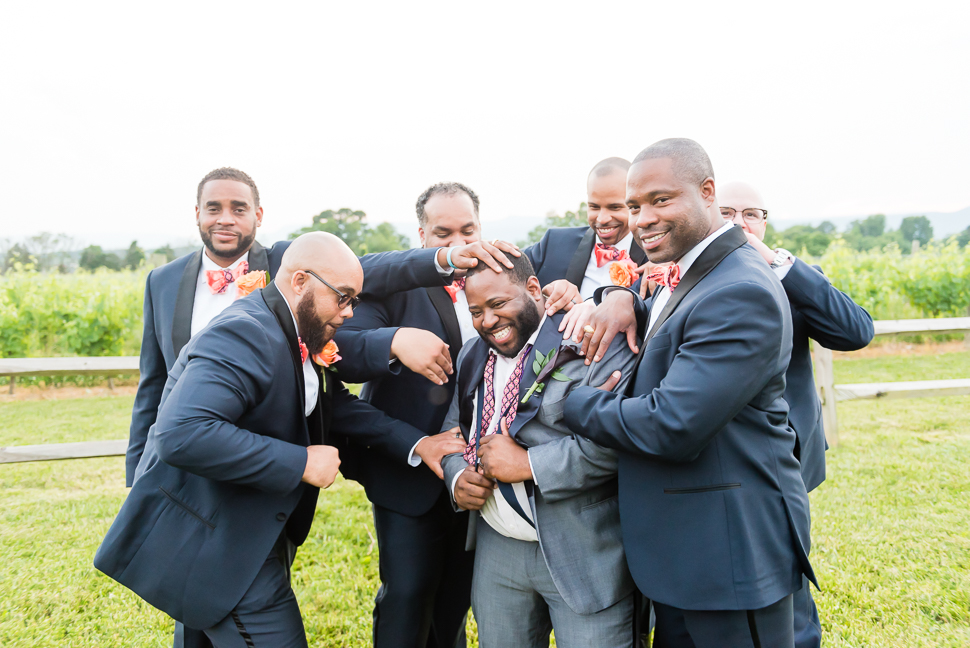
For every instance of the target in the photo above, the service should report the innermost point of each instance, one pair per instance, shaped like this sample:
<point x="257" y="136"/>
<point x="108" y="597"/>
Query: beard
<point x="314" y="332"/>
<point x="245" y="242"/>
<point x="525" y="324"/>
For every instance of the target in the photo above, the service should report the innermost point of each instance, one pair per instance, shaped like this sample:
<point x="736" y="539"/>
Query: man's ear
<point x="197" y="215"/>
<point x="298" y="283"/>
<point x="259" y="216"/>
<point x="533" y="287"/>
<point x="707" y="191"/>
<point x="421" y="235"/>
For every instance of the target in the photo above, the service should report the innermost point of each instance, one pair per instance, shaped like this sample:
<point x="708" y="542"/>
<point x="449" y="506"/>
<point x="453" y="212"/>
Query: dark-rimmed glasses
<point x="749" y="214"/>
<point x="344" y="298"/>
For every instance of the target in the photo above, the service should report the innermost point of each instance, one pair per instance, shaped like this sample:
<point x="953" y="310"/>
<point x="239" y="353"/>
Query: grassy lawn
<point x="891" y="528"/>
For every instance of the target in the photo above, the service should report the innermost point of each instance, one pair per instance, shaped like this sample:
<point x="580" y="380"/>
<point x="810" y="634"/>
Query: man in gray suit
<point x="549" y="554"/>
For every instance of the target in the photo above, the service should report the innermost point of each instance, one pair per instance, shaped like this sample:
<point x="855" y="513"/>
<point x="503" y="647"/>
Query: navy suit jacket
<point x="714" y="512"/>
<point x="823" y="313"/>
<point x="220" y="476"/>
<point x="563" y="253"/>
<point x="365" y="345"/>
<point x="170" y="297"/>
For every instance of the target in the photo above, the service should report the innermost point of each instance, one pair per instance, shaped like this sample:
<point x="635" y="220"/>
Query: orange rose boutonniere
<point x="251" y="281"/>
<point x="328" y="356"/>
<point x="623" y="273"/>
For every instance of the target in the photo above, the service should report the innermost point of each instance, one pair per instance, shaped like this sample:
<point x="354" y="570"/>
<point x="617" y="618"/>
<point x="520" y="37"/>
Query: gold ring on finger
<point x="589" y="329"/>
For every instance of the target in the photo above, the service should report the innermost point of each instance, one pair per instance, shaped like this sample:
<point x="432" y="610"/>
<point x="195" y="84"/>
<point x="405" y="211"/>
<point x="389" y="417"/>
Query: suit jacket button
<point x="281" y="517"/>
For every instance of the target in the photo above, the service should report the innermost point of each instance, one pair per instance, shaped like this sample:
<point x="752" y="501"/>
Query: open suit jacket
<point x="220" y="476"/>
<point x="822" y="312"/>
<point x="714" y="512"/>
<point x="170" y="297"/>
<point x="574" y="502"/>
<point x="563" y="253"/>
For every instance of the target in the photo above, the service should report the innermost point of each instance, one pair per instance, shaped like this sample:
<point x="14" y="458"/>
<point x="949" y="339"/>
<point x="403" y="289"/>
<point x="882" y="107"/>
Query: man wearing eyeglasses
<point x="820" y="312"/>
<point x="227" y="485"/>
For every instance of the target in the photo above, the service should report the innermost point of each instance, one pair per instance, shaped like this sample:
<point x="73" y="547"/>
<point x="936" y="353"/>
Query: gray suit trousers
<point x="517" y="605"/>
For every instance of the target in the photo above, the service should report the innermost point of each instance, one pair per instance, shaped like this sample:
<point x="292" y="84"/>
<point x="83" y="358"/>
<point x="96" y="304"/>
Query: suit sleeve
<point x="453" y="464"/>
<point x="365" y="344"/>
<point x="366" y="425"/>
<point x="196" y="429"/>
<point x="573" y="464"/>
<point x="151" y="365"/>
<point x="718" y="369"/>
<point x="387" y="273"/>
<point x="833" y="319"/>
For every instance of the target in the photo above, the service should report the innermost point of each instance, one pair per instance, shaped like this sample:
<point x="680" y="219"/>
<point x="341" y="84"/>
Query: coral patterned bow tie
<point x="452" y="290"/>
<point x="669" y="276"/>
<point x="220" y="279"/>
<point x="606" y="253"/>
<point x="304" y="352"/>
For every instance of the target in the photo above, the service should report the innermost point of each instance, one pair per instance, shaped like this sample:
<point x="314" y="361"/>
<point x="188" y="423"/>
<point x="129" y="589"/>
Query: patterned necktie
<point x="219" y="280"/>
<point x="510" y="398"/>
<point x="669" y="276"/>
<point x="452" y="290"/>
<point x="606" y="253"/>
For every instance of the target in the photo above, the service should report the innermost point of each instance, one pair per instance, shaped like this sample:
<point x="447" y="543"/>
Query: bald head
<point x="326" y="255"/>
<point x="607" y="167"/>
<point x="739" y="195"/>
<point x="690" y="161"/>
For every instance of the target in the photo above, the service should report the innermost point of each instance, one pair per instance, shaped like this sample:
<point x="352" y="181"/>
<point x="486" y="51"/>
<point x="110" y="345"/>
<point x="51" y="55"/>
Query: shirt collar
<point x="209" y="264"/>
<point x="688" y="259"/>
<point x="531" y="342"/>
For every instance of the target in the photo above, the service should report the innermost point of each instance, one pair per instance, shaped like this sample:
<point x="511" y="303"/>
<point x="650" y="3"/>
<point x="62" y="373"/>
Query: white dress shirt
<point x="207" y="305"/>
<point x="497" y="511"/>
<point x="596" y="276"/>
<point x="310" y="380"/>
<point x="663" y="293"/>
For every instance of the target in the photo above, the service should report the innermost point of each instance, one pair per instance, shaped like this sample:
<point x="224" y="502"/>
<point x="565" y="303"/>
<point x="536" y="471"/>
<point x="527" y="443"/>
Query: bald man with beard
<point x="227" y="485"/>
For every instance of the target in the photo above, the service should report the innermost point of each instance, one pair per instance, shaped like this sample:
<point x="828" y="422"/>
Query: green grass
<point x="891" y="529"/>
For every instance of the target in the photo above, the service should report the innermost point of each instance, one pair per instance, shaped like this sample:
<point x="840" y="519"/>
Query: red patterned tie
<point x="607" y="253"/>
<point x="510" y="399"/>
<point x="452" y="290"/>
<point x="219" y="280"/>
<point x="669" y="276"/>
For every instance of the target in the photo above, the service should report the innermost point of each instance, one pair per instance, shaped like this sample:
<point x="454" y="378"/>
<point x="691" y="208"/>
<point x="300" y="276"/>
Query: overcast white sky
<point x="112" y="112"/>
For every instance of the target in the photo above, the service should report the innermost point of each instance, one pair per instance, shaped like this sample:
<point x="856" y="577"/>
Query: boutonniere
<point x="328" y="356"/>
<point x="548" y="366"/>
<point x="623" y="273"/>
<point x="251" y="281"/>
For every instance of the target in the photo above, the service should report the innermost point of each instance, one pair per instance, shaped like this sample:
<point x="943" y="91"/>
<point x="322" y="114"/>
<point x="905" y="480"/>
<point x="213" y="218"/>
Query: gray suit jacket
<point x="574" y="502"/>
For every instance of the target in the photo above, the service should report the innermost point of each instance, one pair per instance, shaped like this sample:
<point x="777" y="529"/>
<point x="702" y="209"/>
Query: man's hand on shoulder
<point x="472" y="489"/>
<point x="468" y="256"/>
<point x="614" y="315"/>
<point x="560" y="295"/>
<point x="766" y="252"/>
<point x="433" y="449"/>
<point x="422" y="352"/>
<point x="322" y="463"/>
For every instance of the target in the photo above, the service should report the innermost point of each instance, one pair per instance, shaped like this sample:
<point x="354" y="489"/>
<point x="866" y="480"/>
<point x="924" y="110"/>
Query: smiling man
<point x="548" y="550"/>
<point x="714" y="511"/>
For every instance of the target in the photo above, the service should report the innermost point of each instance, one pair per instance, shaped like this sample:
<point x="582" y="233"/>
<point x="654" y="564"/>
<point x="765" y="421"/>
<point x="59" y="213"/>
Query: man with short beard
<point x="714" y="511"/>
<point x="227" y="485"/>
<point x="548" y="553"/>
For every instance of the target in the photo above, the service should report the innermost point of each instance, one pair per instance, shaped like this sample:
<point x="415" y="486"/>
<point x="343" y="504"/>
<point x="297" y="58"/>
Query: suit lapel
<point x="636" y="253"/>
<point x="712" y="255"/>
<point x="442" y="303"/>
<point x="185" y="302"/>
<point x="549" y="338"/>
<point x="258" y="260"/>
<point x="577" y="265"/>
<point x="470" y="375"/>
<point x="277" y="304"/>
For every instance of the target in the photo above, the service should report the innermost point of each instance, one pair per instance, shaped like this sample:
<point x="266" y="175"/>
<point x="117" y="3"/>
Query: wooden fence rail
<point x="829" y="392"/>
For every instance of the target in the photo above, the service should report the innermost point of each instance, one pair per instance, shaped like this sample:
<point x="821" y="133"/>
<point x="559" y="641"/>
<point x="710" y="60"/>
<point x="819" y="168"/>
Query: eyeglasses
<point x="344" y="298"/>
<point x="749" y="214"/>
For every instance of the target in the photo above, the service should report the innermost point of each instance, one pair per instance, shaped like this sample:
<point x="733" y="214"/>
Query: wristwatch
<point x="782" y="256"/>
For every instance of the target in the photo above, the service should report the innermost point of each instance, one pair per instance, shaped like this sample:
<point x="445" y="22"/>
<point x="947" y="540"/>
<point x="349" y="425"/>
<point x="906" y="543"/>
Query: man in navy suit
<point x="714" y="511"/>
<point x="403" y="347"/>
<point x="226" y="487"/>
<point x="820" y="312"/>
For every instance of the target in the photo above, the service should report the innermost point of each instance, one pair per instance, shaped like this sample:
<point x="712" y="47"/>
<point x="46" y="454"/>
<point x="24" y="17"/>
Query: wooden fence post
<point x="966" y="336"/>
<point x="13" y="381"/>
<point x="825" y="381"/>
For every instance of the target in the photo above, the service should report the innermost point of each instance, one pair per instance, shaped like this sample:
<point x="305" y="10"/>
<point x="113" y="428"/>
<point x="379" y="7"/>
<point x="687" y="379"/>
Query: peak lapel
<point x="277" y="304"/>
<point x="637" y="253"/>
<point x="577" y="265"/>
<point x="549" y="338"/>
<point x="258" y="260"/>
<point x="449" y="318"/>
<point x="185" y="302"/>
<point x="712" y="255"/>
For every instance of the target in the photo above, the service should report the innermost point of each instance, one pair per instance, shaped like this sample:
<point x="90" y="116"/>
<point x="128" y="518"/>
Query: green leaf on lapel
<point x="560" y="376"/>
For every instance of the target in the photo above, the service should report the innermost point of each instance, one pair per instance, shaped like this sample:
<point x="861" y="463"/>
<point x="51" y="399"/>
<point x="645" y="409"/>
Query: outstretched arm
<point x="834" y="320"/>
